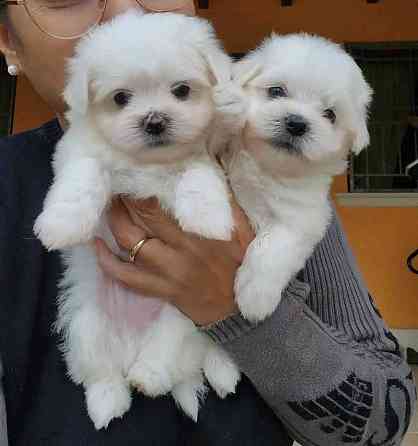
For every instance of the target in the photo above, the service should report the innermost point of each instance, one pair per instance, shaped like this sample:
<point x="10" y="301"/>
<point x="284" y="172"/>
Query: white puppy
<point x="141" y="121"/>
<point x="302" y="107"/>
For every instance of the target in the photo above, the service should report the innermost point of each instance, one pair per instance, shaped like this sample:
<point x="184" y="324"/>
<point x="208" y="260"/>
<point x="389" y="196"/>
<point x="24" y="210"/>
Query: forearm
<point x="326" y="332"/>
<point x="326" y="388"/>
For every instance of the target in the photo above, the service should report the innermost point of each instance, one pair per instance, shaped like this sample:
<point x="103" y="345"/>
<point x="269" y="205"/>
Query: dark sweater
<point x="325" y="365"/>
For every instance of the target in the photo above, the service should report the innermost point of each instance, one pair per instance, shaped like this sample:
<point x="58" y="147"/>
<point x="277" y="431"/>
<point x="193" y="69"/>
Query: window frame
<point x="384" y="196"/>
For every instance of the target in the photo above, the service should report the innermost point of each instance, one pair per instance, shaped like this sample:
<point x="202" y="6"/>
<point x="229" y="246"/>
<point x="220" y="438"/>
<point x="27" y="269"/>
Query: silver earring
<point x="13" y="70"/>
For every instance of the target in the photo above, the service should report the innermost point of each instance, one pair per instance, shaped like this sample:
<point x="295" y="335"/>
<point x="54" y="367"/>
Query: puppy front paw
<point x="206" y="219"/>
<point x="150" y="379"/>
<point x="231" y="105"/>
<point x="107" y="400"/>
<point x="257" y="294"/>
<point x="62" y="225"/>
<point x="202" y="205"/>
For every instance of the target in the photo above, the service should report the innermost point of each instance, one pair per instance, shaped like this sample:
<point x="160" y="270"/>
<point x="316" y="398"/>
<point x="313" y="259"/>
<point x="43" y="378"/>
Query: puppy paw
<point x="107" y="400"/>
<point x="150" y="379"/>
<point x="221" y="372"/>
<point x="60" y="226"/>
<point x="231" y="105"/>
<point x="257" y="294"/>
<point x="229" y="98"/>
<point x="207" y="220"/>
<point x="202" y="204"/>
<point x="188" y="396"/>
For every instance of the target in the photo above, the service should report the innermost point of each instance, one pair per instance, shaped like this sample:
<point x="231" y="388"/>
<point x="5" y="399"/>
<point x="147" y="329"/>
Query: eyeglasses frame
<point x="100" y="18"/>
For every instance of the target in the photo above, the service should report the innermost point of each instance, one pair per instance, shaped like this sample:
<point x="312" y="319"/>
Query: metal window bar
<point x="381" y="167"/>
<point x="383" y="163"/>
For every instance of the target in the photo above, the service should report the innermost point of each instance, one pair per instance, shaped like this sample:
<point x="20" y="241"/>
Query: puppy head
<point x="309" y="102"/>
<point x="145" y="81"/>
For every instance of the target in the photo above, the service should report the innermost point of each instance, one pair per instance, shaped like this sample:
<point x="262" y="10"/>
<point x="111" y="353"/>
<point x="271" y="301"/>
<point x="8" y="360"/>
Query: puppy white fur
<point x="141" y="121"/>
<point x="298" y="105"/>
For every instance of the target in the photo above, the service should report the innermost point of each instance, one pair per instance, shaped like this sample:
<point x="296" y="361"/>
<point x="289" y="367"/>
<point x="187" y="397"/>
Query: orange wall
<point x="242" y="23"/>
<point x="381" y="238"/>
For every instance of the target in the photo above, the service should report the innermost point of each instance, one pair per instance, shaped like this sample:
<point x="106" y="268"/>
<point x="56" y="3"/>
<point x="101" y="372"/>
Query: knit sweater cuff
<point x="234" y="326"/>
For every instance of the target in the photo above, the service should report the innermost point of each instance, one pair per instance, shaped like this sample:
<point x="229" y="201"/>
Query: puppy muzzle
<point x="296" y="125"/>
<point x="289" y="132"/>
<point x="155" y="124"/>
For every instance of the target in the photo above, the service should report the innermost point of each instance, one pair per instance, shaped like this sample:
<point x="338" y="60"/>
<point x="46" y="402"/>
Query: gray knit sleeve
<point x="325" y="361"/>
<point x="3" y="425"/>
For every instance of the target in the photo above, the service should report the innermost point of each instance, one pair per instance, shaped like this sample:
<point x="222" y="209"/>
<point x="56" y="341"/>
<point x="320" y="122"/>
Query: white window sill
<point x="383" y="200"/>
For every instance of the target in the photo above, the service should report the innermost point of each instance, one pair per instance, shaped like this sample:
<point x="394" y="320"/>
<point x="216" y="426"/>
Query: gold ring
<point x="135" y="249"/>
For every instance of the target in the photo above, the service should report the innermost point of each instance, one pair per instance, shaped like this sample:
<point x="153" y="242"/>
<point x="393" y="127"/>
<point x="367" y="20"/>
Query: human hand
<point x="196" y="275"/>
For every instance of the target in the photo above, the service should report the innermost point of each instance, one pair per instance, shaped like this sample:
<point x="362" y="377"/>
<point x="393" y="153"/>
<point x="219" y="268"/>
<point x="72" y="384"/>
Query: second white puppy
<point x="303" y="107"/>
<point x="140" y="122"/>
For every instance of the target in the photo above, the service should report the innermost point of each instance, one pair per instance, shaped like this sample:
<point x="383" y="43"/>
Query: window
<point x="7" y="96"/>
<point x="392" y="71"/>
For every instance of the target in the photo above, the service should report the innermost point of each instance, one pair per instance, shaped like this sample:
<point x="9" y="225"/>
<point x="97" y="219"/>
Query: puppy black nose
<point x="296" y="125"/>
<point x="155" y="124"/>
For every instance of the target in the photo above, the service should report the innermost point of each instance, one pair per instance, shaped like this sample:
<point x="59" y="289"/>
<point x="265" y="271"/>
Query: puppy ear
<point x="76" y="92"/>
<point x="362" y="136"/>
<point x="208" y="46"/>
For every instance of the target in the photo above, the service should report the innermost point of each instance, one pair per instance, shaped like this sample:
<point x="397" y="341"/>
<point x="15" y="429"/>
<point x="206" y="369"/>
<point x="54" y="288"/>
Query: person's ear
<point x="8" y="47"/>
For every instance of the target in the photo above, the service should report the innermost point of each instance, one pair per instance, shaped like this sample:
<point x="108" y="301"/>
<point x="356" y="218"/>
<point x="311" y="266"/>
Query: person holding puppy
<point x="323" y="369"/>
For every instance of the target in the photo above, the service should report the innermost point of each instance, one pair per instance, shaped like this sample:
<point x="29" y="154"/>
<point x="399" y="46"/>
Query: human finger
<point x="128" y="233"/>
<point x="147" y="282"/>
<point x="157" y="221"/>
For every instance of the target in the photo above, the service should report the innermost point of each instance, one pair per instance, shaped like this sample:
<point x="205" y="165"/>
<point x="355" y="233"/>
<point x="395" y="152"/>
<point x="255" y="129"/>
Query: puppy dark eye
<point x="330" y="114"/>
<point x="276" y="92"/>
<point x="122" y="98"/>
<point x="182" y="91"/>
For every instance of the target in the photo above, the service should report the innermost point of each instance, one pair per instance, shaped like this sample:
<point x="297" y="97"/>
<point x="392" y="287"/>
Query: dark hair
<point x="3" y="13"/>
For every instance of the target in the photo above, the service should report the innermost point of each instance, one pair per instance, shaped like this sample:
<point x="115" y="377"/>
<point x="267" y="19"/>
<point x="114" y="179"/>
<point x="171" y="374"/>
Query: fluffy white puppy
<point x="141" y="121"/>
<point x="302" y="108"/>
